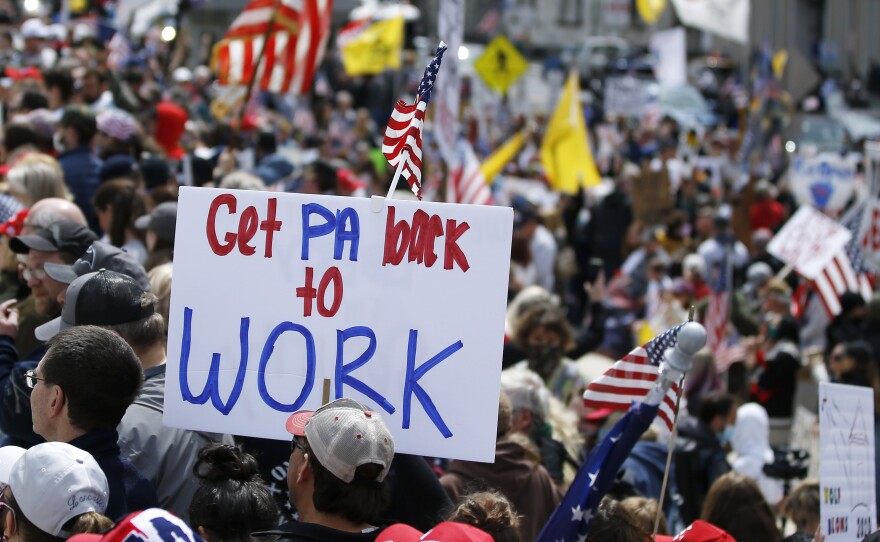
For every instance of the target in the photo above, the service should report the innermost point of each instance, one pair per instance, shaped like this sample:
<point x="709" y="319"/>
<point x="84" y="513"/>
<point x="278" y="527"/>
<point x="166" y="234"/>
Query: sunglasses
<point x="294" y="444"/>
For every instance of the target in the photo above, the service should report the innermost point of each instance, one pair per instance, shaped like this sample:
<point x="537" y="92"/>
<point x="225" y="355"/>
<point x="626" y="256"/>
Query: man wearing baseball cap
<point x="62" y="242"/>
<point x="340" y="455"/>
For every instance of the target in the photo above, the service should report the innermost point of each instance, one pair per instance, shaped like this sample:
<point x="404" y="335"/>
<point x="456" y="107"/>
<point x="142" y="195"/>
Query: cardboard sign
<point x="825" y="181"/>
<point x="626" y="96"/>
<point x="501" y="65"/>
<point x="651" y="198"/>
<point x="401" y="309"/>
<point x="808" y="241"/>
<point x="846" y="464"/>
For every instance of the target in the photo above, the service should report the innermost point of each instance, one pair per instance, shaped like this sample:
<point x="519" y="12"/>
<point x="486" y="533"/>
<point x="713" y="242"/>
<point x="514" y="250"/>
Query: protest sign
<point x="450" y="27"/>
<point x="808" y="242"/>
<point x="846" y="462"/>
<point x="651" y="198"/>
<point x="825" y="181"/>
<point x="670" y="48"/>
<point x="402" y="309"/>
<point x="501" y="64"/>
<point x="626" y="96"/>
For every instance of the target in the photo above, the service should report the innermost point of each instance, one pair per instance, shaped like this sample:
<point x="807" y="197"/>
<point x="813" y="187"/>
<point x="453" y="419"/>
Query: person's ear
<point x="8" y="527"/>
<point x="305" y="471"/>
<point x="56" y="406"/>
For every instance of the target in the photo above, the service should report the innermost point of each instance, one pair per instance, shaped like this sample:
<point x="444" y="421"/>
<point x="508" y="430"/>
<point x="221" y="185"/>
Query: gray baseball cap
<point x="100" y="255"/>
<point x="162" y="221"/>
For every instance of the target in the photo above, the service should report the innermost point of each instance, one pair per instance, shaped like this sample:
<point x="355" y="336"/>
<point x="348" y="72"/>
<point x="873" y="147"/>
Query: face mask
<point x="58" y="142"/>
<point x="544" y="359"/>
<point x="727" y="435"/>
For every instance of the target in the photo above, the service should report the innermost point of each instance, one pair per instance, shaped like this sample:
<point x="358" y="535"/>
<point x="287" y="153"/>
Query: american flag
<point x="725" y="347"/>
<point x="630" y="378"/>
<point x="295" y="34"/>
<point x="572" y="519"/>
<point x="846" y="271"/>
<point x="466" y="181"/>
<point x="120" y="51"/>
<point x="402" y="145"/>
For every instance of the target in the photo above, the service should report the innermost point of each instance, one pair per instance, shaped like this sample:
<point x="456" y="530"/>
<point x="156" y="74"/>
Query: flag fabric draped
<point x="571" y="521"/>
<point x="467" y="184"/>
<point x="630" y="378"/>
<point x="402" y="144"/>
<point x="294" y="33"/>
<point x="726" y="348"/>
<point x="371" y="47"/>
<point x="847" y="270"/>
<point x="565" y="150"/>
<point x="495" y="162"/>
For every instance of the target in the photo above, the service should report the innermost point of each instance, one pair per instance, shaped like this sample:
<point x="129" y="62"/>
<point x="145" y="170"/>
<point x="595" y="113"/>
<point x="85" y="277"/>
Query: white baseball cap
<point x="344" y="435"/>
<point x="8" y="456"/>
<point x="55" y="482"/>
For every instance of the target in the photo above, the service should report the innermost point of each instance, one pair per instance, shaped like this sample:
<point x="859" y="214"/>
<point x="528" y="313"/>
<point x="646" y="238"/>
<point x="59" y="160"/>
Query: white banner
<point x="808" y="241"/>
<point x="846" y="462"/>
<point x="670" y="49"/>
<point x="450" y="28"/>
<point x="402" y="309"/>
<point x="626" y="96"/>
<point x="826" y="181"/>
<point x="726" y="18"/>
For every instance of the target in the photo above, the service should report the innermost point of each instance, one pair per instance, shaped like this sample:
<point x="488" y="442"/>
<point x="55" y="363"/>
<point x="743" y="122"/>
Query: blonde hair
<point x="36" y="177"/>
<point x="160" y="284"/>
<point x="644" y="511"/>
<point x="491" y="512"/>
<point x="89" y="523"/>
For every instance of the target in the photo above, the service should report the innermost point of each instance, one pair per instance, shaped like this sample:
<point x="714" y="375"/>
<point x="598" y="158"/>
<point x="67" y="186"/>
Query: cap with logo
<point x="162" y="221"/>
<point x="62" y="236"/>
<point x="151" y="525"/>
<point x="104" y="298"/>
<point x="344" y="435"/>
<point x="100" y="255"/>
<point x="48" y="477"/>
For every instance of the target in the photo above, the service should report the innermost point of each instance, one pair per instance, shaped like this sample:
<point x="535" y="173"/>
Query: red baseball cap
<point x="448" y="531"/>
<point x="701" y="531"/>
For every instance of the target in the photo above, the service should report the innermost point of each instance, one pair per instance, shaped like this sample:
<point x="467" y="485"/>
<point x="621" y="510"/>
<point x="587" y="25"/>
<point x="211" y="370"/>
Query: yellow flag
<point x="495" y="162"/>
<point x="650" y="10"/>
<point x="645" y="333"/>
<point x="565" y="151"/>
<point x="374" y="49"/>
<point x="779" y="60"/>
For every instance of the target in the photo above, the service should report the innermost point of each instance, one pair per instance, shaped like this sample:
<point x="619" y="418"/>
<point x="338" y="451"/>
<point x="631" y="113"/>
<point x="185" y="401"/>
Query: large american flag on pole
<point x="467" y="183"/>
<point x="294" y="35"/>
<point x="402" y="145"/>
<point x="847" y="271"/>
<point x="630" y="378"/>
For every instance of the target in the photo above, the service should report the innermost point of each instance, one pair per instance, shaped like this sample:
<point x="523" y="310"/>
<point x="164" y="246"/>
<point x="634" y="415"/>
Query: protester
<point x="151" y="525"/>
<point x="117" y="204"/>
<point x="734" y="503"/>
<point x="231" y="502"/>
<point x="160" y="227"/>
<point x="490" y="512"/>
<point x="802" y="508"/>
<point x="79" y="393"/>
<point x="751" y="443"/>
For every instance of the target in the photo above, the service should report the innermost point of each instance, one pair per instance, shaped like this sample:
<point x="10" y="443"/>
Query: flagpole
<point x="250" y="87"/>
<point x="404" y="156"/>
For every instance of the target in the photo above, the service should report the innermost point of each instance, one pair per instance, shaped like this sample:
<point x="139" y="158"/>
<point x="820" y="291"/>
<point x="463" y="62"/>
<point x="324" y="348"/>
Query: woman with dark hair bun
<point x="232" y="502"/>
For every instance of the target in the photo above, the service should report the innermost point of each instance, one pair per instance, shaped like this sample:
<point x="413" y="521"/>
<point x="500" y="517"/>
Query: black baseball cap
<point x="104" y="298"/>
<point x="62" y="236"/>
<point x="162" y="221"/>
<point x="100" y="255"/>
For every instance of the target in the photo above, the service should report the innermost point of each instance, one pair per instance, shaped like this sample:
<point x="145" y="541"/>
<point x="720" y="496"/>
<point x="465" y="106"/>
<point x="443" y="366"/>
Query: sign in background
<point x="501" y="64"/>
<point x="402" y="309"/>
<point x="626" y="96"/>
<point x="846" y="463"/>
<point x="808" y="241"/>
<point x="826" y="181"/>
<point x="450" y="27"/>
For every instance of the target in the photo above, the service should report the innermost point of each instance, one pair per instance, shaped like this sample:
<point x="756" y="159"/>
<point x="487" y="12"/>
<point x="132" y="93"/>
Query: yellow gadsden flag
<point x="495" y="162"/>
<point x="565" y="151"/>
<point x="373" y="48"/>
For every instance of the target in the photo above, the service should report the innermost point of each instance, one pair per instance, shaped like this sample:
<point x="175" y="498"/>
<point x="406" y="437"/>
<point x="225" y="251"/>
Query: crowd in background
<point x="93" y="151"/>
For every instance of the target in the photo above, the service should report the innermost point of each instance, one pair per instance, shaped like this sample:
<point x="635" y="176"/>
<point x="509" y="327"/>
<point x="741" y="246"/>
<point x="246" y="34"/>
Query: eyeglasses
<point x="294" y="444"/>
<point x="30" y="378"/>
<point x="37" y="274"/>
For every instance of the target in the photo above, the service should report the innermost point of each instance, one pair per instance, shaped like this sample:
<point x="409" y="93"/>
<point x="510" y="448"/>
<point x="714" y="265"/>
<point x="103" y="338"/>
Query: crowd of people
<point x="93" y="151"/>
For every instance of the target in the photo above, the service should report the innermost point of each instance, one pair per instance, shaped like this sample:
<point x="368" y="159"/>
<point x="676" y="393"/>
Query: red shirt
<point x="766" y="214"/>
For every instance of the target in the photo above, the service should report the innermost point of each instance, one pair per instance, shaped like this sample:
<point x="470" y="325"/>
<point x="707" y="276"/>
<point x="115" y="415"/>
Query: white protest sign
<point x="402" y="309"/>
<point x="825" y="181"/>
<point x="670" y="49"/>
<point x="626" y="96"/>
<point x="450" y="28"/>
<point x="846" y="462"/>
<point x="808" y="241"/>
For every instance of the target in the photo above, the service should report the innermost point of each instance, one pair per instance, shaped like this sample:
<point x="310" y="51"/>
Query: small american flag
<point x="630" y="378"/>
<point x="847" y="271"/>
<point x="402" y="145"/>
<point x="725" y="347"/>
<point x="466" y="181"/>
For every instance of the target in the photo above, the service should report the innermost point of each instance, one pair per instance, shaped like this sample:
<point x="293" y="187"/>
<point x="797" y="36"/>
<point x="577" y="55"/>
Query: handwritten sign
<point x="402" y="309"/>
<point x="808" y="241"/>
<point x="825" y="181"/>
<point x="626" y="96"/>
<point x="846" y="463"/>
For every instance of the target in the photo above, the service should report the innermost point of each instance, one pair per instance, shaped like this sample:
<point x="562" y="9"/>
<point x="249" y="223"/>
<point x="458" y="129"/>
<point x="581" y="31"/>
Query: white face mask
<point x="58" y="142"/>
